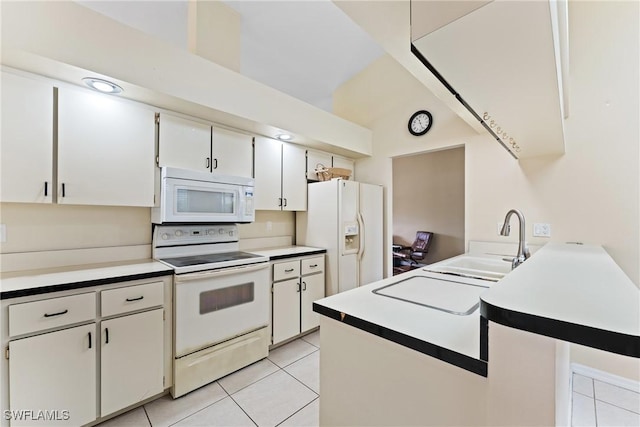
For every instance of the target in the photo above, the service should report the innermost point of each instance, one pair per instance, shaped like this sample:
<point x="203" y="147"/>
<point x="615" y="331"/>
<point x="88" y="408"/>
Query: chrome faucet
<point x="523" y="251"/>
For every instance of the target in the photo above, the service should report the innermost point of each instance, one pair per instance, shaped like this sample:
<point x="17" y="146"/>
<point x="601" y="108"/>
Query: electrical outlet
<point x="541" y="230"/>
<point x="3" y="233"/>
<point x="269" y="225"/>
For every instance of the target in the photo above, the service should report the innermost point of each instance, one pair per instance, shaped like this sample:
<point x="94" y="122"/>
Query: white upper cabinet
<point x="184" y="143"/>
<point x="26" y="155"/>
<point x="106" y="149"/>
<point x="506" y="60"/>
<point x="232" y="153"/>
<point x="294" y="181"/>
<point x="317" y="159"/>
<point x="280" y="181"/>
<point x="344" y="163"/>
<point x="268" y="174"/>
<point x="197" y="145"/>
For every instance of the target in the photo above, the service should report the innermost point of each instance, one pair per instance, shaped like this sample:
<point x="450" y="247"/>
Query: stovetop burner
<point x="185" y="261"/>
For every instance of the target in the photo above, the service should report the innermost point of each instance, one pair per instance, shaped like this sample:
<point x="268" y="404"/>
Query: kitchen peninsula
<point x="506" y="363"/>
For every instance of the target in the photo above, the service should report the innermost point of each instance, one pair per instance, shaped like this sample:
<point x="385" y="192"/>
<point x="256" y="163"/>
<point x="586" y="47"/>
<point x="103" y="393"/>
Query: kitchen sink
<point x="473" y="266"/>
<point x="445" y="295"/>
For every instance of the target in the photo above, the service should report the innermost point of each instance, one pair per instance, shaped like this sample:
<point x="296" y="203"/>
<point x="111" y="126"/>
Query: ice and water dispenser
<point x="351" y="238"/>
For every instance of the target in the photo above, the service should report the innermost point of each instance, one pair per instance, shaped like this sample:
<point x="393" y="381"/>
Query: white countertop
<point x="574" y="284"/>
<point x="33" y="279"/>
<point x="286" y="251"/>
<point x="454" y="332"/>
<point x="577" y="284"/>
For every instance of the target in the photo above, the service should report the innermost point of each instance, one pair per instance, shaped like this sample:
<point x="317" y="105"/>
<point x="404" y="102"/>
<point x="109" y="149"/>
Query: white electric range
<point x="220" y="305"/>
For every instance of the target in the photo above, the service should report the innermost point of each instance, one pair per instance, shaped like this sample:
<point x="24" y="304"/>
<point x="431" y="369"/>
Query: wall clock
<point x="420" y="122"/>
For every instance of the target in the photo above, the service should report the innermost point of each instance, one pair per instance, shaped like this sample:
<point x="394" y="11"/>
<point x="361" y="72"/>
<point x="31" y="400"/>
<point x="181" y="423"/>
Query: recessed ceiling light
<point x="284" y="137"/>
<point x="102" y="85"/>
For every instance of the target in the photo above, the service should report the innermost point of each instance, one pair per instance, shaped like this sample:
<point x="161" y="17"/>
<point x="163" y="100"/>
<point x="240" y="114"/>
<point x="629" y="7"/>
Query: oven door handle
<point x="217" y="273"/>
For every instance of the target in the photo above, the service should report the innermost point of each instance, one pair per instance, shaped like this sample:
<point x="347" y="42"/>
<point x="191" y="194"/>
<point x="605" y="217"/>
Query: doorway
<point x="428" y="195"/>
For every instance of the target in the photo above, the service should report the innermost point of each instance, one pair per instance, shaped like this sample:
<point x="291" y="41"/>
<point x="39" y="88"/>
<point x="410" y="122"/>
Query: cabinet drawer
<point x="130" y="298"/>
<point x="51" y="313"/>
<point x="312" y="265"/>
<point x="286" y="270"/>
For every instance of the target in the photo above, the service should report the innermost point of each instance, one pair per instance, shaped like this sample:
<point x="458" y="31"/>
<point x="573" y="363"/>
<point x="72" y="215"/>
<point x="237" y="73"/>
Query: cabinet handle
<point x="135" y="299"/>
<point x="285" y="202"/>
<point x="298" y="287"/>
<point x="46" y="188"/>
<point x="215" y="163"/>
<point x="304" y="286"/>
<point x="106" y="335"/>
<point x="313" y="265"/>
<point x="208" y="163"/>
<point x="63" y="193"/>
<point x="279" y="201"/>
<point x="288" y="270"/>
<point x="56" y="314"/>
<point x="89" y="339"/>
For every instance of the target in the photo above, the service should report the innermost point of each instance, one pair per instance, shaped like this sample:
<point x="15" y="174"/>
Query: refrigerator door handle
<point x="360" y="236"/>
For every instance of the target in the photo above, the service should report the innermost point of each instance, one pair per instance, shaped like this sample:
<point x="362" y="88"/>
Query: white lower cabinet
<point x="132" y="364"/>
<point x="292" y="304"/>
<point x="286" y="309"/>
<point x="312" y="290"/>
<point x="52" y="378"/>
<point x="64" y="374"/>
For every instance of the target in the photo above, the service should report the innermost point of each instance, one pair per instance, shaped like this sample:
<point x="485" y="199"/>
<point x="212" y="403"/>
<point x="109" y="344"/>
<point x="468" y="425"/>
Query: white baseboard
<point x="606" y="377"/>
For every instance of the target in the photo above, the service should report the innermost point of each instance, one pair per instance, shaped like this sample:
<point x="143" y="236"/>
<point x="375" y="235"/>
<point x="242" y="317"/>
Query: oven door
<point x="217" y="305"/>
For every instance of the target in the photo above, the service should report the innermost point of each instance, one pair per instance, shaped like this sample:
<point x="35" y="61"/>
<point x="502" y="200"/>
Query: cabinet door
<point x="131" y="360"/>
<point x="316" y="159"/>
<point x="26" y="154"/>
<point x="286" y="309"/>
<point x="268" y="174"/>
<point x="232" y="153"/>
<point x="312" y="290"/>
<point x="342" y="162"/>
<point x="184" y="144"/>
<point x="55" y="371"/>
<point x="294" y="180"/>
<point x="105" y="150"/>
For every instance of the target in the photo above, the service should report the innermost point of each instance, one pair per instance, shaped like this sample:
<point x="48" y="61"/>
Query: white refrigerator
<point x="344" y="217"/>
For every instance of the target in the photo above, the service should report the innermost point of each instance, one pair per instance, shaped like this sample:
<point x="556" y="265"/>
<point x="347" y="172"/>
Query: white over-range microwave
<point x="188" y="196"/>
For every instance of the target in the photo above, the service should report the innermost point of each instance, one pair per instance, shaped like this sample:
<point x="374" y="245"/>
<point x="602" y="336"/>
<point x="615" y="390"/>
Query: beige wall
<point x="214" y="32"/>
<point x="47" y="227"/>
<point x="428" y="195"/>
<point x="590" y="194"/>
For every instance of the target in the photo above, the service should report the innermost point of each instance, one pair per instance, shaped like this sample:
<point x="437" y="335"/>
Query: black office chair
<point x="407" y="258"/>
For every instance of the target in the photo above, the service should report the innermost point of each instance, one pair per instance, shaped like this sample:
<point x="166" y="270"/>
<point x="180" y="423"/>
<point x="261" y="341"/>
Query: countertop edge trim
<point x="478" y="367"/>
<point x="613" y="342"/>
<point x="83" y="284"/>
<point x="297" y="255"/>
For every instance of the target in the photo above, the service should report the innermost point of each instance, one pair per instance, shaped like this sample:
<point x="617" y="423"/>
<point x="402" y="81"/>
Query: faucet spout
<point x="523" y="251"/>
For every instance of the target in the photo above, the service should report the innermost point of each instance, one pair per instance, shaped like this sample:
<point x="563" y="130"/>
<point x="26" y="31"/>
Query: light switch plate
<point x="541" y="230"/>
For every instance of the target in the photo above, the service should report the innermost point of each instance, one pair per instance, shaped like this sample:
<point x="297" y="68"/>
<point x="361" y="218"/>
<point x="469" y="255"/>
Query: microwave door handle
<point x="218" y="273"/>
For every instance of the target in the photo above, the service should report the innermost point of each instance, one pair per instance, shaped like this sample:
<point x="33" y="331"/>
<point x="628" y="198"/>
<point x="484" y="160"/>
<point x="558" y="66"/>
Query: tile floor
<point x="596" y="403"/>
<point x="283" y="390"/>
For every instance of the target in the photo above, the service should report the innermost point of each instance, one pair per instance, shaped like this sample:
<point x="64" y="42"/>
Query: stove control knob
<point x="179" y="233"/>
<point x="221" y="231"/>
<point x="230" y="232"/>
<point x="164" y="236"/>
<point x="211" y="232"/>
